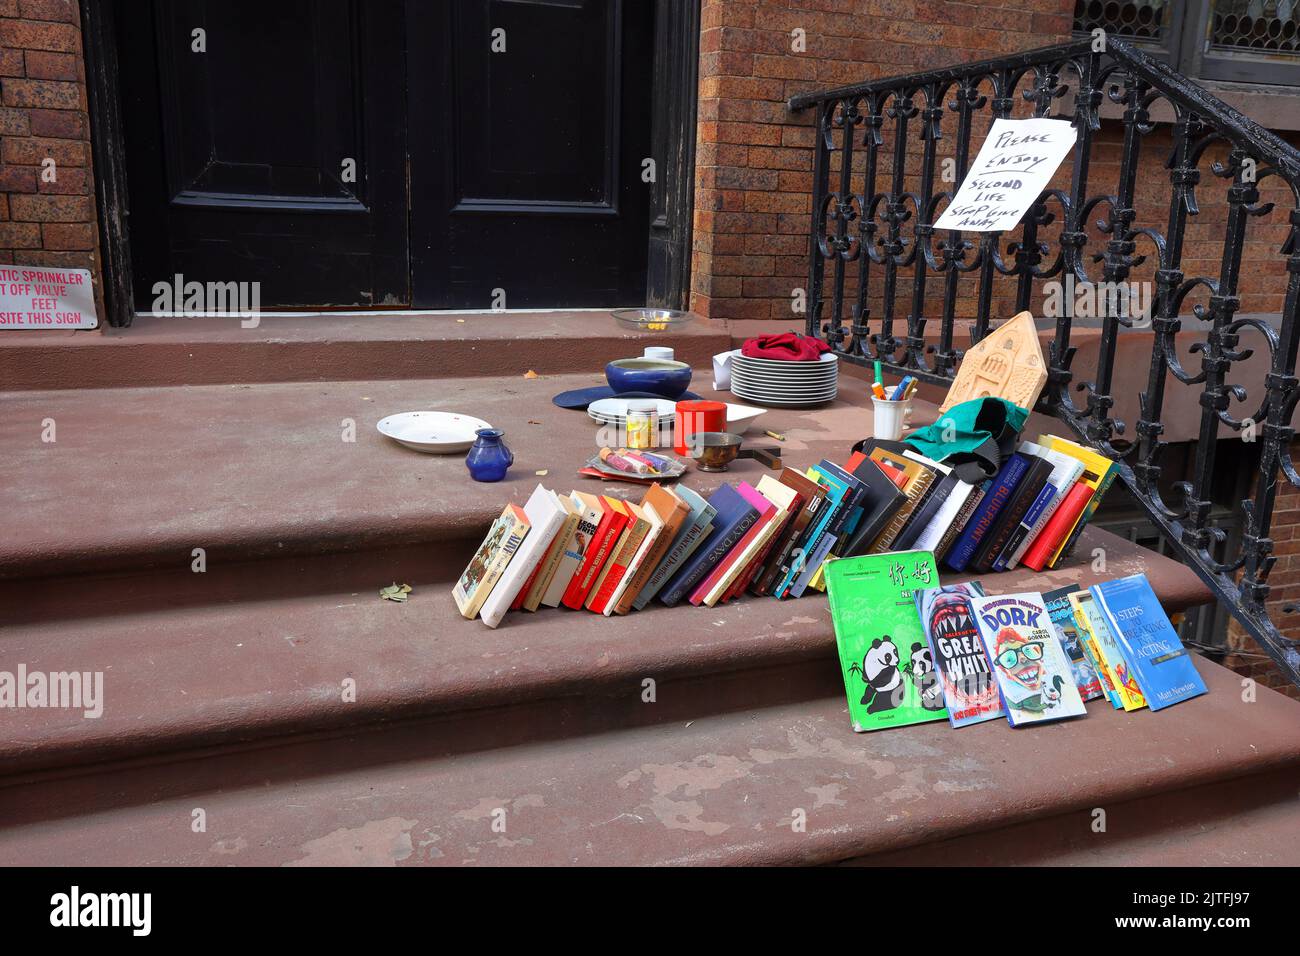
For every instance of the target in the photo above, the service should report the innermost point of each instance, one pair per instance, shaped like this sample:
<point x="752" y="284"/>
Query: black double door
<point x="378" y="153"/>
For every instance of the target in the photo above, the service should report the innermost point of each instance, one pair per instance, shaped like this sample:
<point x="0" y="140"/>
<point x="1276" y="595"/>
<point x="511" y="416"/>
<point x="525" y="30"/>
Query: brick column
<point x="47" y="202"/>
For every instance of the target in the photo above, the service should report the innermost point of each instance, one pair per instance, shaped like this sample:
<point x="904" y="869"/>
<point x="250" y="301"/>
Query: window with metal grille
<point x="1256" y="25"/>
<point x="1156" y="25"/>
<point x="1244" y="41"/>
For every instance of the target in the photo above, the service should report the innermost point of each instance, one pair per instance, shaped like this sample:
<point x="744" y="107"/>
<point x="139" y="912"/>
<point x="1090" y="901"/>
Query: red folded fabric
<point x="784" y="345"/>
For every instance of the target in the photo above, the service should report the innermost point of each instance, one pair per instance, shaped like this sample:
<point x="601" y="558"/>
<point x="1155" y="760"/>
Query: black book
<point x="940" y="489"/>
<point x="1040" y="469"/>
<point x="884" y="499"/>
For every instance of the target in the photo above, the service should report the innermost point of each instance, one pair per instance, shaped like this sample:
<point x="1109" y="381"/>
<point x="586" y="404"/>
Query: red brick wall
<point x="43" y="117"/>
<point x="754" y="158"/>
<point x="1245" y="657"/>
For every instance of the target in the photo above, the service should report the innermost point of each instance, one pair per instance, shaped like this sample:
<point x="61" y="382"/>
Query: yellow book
<point x="1107" y="650"/>
<point x="1098" y="474"/>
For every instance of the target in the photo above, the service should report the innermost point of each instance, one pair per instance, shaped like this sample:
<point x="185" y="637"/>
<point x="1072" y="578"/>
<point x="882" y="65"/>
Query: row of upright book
<point x="913" y="651"/>
<point x="776" y="536"/>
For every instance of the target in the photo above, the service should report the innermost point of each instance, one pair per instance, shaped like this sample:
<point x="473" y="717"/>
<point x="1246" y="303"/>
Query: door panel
<point x="274" y="155"/>
<point x="527" y="176"/>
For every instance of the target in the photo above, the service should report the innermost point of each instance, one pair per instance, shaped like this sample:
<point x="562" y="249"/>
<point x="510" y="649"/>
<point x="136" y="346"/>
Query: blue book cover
<point x="815" y="560"/>
<point x="835" y="492"/>
<point x="1045" y="498"/>
<point x="734" y="517"/>
<point x="1155" y="656"/>
<point x="856" y="496"/>
<point x="1000" y="493"/>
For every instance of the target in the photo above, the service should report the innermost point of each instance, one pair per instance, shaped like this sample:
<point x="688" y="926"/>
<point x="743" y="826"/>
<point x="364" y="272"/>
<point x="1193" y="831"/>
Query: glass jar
<point x="642" y="424"/>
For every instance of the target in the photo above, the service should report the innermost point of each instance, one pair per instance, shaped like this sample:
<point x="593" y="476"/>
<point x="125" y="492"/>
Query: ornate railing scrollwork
<point x="888" y="157"/>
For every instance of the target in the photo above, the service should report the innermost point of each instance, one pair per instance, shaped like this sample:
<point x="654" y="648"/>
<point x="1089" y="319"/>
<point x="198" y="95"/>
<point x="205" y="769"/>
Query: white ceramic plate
<point x="766" y="398"/>
<point x="438" y="433"/>
<point x="783" y="386"/>
<point x="617" y="407"/>
<point x="827" y="358"/>
<point x="783" y="382"/>
<point x="792" y="403"/>
<point x="786" y="370"/>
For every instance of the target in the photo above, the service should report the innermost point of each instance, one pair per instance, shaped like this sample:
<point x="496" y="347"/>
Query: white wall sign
<point x="1014" y="165"/>
<point x="40" y="297"/>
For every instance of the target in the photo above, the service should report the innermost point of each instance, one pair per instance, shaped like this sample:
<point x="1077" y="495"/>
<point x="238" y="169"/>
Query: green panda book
<point x="888" y="671"/>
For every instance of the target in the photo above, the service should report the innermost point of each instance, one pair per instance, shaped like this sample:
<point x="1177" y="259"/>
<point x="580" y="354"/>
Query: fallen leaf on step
<point x="543" y="473"/>
<point x="395" y="592"/>
<point x="533" y="421"/>
<point x="530" y="374"/>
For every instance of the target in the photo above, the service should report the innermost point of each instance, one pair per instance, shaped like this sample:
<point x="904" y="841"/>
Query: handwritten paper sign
<point x="1014" y="165"/>
<point x="36" y="297"/>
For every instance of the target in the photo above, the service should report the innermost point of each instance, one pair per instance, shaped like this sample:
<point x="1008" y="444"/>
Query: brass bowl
<point x="714" y="451"/>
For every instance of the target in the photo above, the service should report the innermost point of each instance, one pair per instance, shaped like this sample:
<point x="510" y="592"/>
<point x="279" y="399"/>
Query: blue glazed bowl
<point x="657" y="376"/>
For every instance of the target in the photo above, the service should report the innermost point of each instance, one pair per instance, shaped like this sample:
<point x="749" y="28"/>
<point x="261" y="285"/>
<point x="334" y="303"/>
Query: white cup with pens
<point x="892" y="407"/>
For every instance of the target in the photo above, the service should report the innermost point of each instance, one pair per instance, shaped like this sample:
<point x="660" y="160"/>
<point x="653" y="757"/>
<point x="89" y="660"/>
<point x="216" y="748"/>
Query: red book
<point x="746" y="577"/>
<point x="1054" y="532"/>
<point x="766" y="513"/>
<point x="898" y="476"/>
<point x="620" y="557"/>
<point x="607" y="532"/>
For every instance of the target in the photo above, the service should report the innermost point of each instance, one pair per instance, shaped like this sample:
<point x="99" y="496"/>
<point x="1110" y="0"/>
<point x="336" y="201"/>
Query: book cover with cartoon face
<point x="1032" y="670"/>
<point x="889" y="674"/>
<point x="965" y="673"/>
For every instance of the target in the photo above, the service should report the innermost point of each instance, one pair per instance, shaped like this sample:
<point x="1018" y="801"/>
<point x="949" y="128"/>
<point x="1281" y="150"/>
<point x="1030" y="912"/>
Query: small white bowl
<point x="740" y="417"/>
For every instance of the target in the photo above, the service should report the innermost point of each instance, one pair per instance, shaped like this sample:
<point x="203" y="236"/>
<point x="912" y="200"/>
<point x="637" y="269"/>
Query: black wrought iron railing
<point x="876" y="260"/>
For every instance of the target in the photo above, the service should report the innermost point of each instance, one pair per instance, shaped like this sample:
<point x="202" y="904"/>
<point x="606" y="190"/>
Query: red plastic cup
<point x="694" y="418"/>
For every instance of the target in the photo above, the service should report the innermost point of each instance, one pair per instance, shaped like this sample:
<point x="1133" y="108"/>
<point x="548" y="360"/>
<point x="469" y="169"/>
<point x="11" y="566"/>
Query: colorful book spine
<point x="960" y="522"/>
<point x="590" y="513"/>
<point x="607" y="534"/>
<point x="801" y="554"/>
<point x="1065" y="472"/>
<point x="1061" y="612"/>
<point x="816" y="561"/>
<point x="735" y="517"/>
<point x="1026" y="493"/>
<point x="695" y="531"/>
<point x="722" y="572"/>
<point x="1000" y="493"/>
<point x="1098" y="472"/>
<point x="937" y="529"/>
<point x="1054" y="532"/>
<point x="620" y="559"/>
<point x="1090" y="618"/>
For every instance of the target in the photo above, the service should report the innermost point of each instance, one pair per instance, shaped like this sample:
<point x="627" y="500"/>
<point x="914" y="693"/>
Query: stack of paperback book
<point x="912" y="651"/>
<point x="778" y="536"/>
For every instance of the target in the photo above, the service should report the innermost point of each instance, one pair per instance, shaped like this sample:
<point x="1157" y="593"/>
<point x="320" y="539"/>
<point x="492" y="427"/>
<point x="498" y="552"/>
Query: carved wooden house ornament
<point x="1007" y="363"/>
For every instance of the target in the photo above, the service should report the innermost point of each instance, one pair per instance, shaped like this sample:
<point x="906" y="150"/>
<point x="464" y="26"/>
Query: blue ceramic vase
<point x="489" y="459"/>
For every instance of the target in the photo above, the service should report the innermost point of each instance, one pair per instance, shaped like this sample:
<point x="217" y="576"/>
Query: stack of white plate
<point x="785" y="384"/>
<point x="613" y="411"/>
